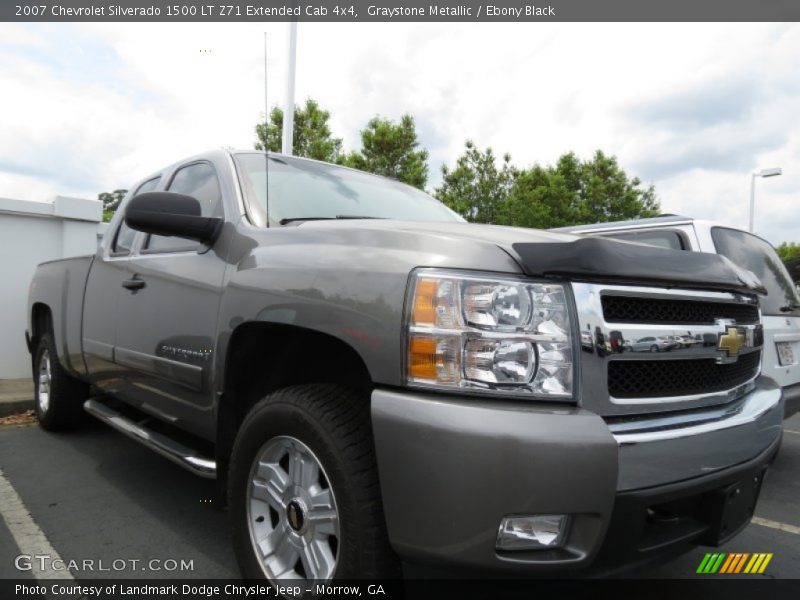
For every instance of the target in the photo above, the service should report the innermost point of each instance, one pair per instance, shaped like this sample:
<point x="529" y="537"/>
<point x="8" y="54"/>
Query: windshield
<point x="756" y="255"/>
<point x="302" y="189"/>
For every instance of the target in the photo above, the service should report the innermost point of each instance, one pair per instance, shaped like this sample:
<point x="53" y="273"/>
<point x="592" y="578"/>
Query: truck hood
<point x="582" y="258"/>
<point x="495" y="234"/>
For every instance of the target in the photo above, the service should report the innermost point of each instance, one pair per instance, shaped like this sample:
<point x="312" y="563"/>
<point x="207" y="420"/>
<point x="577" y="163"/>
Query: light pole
<point x="288" y="109"/>
<point x="774" y="172"/>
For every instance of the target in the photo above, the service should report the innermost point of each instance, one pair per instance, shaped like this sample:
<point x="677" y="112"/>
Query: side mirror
<point x="168" y="213"/>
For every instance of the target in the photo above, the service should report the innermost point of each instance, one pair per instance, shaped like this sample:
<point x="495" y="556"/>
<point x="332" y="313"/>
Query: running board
<point x="160" y="443"/>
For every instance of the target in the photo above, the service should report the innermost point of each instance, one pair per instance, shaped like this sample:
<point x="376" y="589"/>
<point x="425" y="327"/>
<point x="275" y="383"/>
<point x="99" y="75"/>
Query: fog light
<point x="532" y="532"/>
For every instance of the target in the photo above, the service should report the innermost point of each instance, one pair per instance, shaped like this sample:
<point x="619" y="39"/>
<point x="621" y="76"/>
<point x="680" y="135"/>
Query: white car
<point x="780" y="308"/>
<point x="653" y="344"/>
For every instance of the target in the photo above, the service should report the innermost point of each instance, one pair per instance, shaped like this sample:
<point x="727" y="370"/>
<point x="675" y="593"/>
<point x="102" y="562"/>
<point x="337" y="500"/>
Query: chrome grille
<point x="659" y="378"/>
<point x="627" y="309"/>
<point x="646" y="349"/>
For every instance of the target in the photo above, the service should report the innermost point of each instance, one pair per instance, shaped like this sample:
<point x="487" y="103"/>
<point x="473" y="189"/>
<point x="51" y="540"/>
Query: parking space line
<point x="792" y="431"/>
<point x="30" y="540"/>
<point x="776" y="525"/>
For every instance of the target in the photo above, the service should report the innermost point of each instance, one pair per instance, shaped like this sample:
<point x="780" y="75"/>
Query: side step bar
<point x="165" y="446"/>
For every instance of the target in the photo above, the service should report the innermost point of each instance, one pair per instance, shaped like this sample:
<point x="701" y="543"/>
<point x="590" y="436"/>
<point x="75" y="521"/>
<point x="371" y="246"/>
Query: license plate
<point x="785" y="353"/>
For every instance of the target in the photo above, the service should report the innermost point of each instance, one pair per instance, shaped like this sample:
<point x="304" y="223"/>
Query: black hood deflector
<point x="613" y="261"/>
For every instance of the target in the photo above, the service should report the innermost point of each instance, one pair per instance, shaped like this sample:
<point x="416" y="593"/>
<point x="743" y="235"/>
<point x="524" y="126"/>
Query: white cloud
<point x="93" y="107"/>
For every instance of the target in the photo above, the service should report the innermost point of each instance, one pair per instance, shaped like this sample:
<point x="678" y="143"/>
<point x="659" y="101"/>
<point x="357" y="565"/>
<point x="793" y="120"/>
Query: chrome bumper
<point x="668" y="448"/>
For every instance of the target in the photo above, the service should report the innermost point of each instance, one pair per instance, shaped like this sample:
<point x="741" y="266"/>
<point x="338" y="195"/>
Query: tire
<point x="329" y="424"/>
<point x="653" y="348"/>
<point x="58" y="397"/>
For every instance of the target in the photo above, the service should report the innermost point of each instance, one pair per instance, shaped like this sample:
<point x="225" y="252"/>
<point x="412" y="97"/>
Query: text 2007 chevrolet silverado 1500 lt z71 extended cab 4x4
<point x="372" y="379"/>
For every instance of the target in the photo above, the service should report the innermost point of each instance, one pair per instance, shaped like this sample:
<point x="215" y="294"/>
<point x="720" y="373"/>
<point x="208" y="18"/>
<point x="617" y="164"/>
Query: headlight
<point x="492" y="333"/>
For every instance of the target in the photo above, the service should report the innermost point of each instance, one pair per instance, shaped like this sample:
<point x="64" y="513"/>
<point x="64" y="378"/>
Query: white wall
<point x="30" y="233"/>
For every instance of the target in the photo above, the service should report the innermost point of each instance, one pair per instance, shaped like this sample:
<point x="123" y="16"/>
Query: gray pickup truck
<point x="372" y="380"/>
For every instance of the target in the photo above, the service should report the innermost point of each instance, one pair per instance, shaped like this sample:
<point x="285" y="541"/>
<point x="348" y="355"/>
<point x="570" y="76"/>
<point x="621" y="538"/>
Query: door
<point x="168" y="320"/>
<point x="103" y="290"/>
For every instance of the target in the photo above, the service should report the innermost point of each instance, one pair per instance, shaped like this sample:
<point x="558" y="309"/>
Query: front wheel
<point x="303" y="489"/>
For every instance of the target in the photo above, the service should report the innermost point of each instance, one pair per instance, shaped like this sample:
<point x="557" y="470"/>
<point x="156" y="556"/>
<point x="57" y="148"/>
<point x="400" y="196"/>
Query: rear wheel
<point x="303" y="489"/>
<point x="58" y="396"/>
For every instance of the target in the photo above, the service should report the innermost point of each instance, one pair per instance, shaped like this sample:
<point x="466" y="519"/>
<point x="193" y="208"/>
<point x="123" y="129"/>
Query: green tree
<point x="392" y="150"/>
<point x="312" y="137"/>
<point x="788" y="251"/>
<point x="476" y="188"/>
<point x="573" y="192"/>
<point x="111" y="201"/>
<point x="793" y="266"/>
<point x="570" y="192"/>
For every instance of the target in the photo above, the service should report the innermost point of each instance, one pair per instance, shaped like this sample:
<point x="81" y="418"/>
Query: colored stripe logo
<point x="734" y="562"/>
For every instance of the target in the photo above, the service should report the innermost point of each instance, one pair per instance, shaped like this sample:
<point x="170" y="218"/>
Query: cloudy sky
<point x="694" y="108"/>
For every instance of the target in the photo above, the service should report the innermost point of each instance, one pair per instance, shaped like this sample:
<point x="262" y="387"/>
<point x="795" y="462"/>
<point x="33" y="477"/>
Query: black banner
<point x="706" y="587"/>
<point x="400" y="10"/>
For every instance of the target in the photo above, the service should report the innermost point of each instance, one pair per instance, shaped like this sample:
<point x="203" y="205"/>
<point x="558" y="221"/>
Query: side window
<point x="123" y="240"/>
<point x="662" y="239"/>
<point x="200" y="181"/>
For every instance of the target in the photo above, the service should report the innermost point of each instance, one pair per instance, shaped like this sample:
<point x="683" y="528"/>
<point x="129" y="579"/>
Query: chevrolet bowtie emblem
<point x="731" y="342"/>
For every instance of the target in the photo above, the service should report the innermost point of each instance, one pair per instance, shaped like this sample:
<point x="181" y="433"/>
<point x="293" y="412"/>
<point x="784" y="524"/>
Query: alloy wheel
<point x="292" y="514"/>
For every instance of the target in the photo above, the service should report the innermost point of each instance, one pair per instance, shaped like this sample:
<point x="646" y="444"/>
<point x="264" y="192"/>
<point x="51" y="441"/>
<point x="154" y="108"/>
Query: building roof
<point x="63" y="207"/>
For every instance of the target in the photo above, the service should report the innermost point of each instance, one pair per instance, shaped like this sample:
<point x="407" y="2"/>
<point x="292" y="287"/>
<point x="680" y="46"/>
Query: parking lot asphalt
<point x="96" y="495"/>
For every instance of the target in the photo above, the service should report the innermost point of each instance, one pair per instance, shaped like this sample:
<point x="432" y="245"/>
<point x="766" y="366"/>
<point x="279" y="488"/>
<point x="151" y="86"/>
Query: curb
<point x="12" y="406"/>
<point x="16" y="396"/>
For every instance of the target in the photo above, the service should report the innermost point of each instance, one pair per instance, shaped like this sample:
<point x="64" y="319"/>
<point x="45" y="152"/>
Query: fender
<point x="60" y="286"/>
<point x="342" y="279"/>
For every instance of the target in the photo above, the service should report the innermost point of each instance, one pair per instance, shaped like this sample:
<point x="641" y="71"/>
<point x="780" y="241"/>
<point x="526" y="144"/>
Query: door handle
<point x="133" y="284"/>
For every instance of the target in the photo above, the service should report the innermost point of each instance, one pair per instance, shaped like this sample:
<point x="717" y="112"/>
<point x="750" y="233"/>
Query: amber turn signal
<point x="422" y="358"/>
<point x="424" y="312"/>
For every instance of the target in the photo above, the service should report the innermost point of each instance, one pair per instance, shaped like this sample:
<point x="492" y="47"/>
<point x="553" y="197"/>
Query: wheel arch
<point x="41" y="321"/>
<point x="264" y="357"/>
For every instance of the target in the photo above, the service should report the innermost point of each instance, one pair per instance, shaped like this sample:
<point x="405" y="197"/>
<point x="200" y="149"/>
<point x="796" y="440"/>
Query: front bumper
<point x="452" y="468"/>
<point x="687" y="515"/>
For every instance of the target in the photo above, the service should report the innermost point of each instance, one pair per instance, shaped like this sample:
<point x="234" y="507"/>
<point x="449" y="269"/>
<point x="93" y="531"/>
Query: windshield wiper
<point x="293" y="219"/>
<point x="357" y="217"/>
